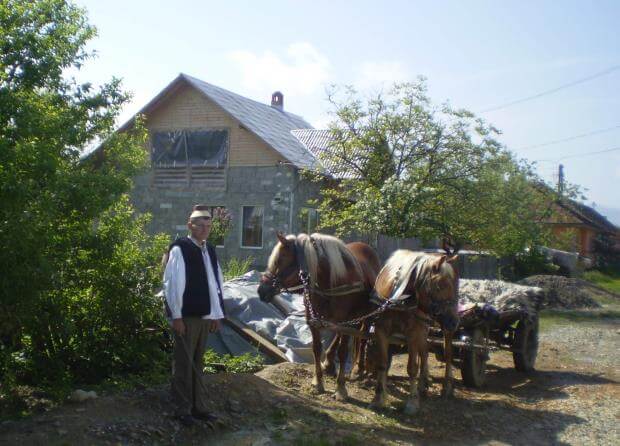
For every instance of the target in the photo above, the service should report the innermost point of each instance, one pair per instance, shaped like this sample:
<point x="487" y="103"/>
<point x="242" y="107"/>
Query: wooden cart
<point x="483" y="329"/>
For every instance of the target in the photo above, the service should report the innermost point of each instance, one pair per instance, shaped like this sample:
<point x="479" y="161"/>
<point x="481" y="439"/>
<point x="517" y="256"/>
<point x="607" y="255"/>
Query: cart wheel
<point x="525" y="346"/>
<point x="474" y="363"/>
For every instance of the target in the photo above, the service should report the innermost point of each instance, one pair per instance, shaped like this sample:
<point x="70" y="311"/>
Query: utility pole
<point x="561" y="180"/>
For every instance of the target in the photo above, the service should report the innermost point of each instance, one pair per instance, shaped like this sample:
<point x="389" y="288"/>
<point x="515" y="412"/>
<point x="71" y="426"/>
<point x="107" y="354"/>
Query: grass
<point x="245" y="363"/>
<point x="235" y="267"/>
<point x="607" y="281"/>
<point x="550" y="318"/>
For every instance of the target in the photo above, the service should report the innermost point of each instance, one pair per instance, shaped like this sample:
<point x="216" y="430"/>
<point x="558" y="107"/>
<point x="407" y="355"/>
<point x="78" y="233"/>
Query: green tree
<point x="406" y="168"/>
<point x="59" y="257"/>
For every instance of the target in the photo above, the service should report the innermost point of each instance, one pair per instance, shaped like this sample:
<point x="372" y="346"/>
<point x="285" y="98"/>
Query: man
<point x="193" y="287"/>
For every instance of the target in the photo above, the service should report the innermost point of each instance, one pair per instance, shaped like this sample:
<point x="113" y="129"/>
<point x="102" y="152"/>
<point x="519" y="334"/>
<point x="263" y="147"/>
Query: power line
<point x="553" y="90"/>
<point x="577" y="155"/>
<point x="570" y="138"/>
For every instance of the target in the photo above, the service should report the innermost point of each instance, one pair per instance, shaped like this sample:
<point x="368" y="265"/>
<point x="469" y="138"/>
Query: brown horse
<point x="423" y="288"/>
<point x="336" y="279"/>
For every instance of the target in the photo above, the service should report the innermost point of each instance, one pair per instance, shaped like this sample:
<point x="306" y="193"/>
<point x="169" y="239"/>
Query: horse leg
<point x="413" y="403"/>
<point x="343" y="351"/>
<point x="317" y="347"/>
<point x="381" y="337"/>
<point x="359" y="361"/>
<point x="447" y="390"/>
<point x="424" y="382"/>
<point x="329" y="365"/>
<point x="361" y="351"/>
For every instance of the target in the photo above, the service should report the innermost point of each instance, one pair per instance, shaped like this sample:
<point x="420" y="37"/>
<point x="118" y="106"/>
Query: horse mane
<point x="321" y="246"/>
<point x="335" y="252"/>
<point x="404" y="263"/>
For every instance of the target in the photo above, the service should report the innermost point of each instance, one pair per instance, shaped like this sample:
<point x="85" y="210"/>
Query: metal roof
<point x="318" y="142"/>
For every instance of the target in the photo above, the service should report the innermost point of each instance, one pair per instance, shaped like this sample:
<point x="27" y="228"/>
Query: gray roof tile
<point x="270" y="124"/>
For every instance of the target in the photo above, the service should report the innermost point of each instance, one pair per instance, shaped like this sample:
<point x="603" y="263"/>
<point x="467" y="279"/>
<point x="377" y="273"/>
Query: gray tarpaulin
<point x="289" y="332"/>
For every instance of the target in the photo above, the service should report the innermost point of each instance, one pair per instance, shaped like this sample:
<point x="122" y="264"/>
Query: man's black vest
<point x="196" y="298"/>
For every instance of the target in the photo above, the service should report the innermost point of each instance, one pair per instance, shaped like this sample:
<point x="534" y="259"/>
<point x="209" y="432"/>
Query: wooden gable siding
<point x="187" y="108"/>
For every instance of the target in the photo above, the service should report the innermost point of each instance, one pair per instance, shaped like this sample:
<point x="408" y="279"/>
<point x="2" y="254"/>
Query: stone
<point x="79" y="396"/>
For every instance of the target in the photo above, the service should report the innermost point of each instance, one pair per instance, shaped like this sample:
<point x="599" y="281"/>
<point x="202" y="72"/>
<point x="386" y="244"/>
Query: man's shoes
<point x="204" y="416"/>
<point x="186" y="420"/>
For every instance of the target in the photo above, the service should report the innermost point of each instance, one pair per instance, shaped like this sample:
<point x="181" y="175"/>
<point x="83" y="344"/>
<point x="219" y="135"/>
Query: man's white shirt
<point x="174" y="282"/>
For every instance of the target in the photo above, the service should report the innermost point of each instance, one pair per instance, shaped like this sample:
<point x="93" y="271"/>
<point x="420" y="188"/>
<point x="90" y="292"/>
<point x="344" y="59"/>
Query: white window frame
<point x="262" y="242"/>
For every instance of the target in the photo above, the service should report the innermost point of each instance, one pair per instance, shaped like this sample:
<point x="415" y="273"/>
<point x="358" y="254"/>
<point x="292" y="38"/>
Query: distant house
<point x="212" y="146"/>
<point x="581" y="224"/>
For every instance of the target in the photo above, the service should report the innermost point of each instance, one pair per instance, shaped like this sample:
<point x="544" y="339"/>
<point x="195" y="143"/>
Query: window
<point x="190" y="156"/>
<point x="308" y="220"/>
<point x="252" y="227"/>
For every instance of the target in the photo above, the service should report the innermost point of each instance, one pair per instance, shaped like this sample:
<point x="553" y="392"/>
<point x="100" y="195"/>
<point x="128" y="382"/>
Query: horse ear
<point x="438" y="263"/>
<point x="281" y="237"/>
<point x="453" y="259"/>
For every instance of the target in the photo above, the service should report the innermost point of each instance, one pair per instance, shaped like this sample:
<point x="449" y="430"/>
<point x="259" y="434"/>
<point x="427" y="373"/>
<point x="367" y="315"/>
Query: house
<point x="212" y="146"/>
<point x="579" y="226"/>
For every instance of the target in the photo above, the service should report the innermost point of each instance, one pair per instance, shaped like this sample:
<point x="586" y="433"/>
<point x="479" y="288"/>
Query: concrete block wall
<point x="277" y="188"/>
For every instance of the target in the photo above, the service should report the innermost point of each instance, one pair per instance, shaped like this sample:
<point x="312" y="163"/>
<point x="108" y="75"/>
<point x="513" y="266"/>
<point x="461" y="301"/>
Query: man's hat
<point x="200" y="210"/>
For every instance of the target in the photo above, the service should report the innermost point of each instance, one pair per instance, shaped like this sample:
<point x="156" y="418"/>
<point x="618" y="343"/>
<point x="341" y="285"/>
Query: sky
<point x="477" y="55"/>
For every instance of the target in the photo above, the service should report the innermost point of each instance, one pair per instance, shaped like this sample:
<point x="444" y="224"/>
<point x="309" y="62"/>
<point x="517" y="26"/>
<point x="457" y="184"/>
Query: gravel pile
<point x="564" y="292"/>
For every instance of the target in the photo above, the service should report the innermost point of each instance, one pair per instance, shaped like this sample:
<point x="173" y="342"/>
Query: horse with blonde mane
<point x="336" y="280"/>
<point x="421" y="288"/>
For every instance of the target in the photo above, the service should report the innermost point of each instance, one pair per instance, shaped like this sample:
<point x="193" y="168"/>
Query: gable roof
<point x="271" y="125"/>
<point x="588" y="215"/>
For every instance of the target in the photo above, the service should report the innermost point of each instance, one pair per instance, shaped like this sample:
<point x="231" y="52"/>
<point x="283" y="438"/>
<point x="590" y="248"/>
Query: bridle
<point x="308" y="289"/>
<point x="300" y="266"/>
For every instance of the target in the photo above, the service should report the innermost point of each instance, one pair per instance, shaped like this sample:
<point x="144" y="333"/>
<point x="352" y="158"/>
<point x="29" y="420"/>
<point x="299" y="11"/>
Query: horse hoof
<point x="341" y="395"/>
<point x="318" y="388"/>
<point x="411" y="408"/>
<point x="377" y="404"/>
<point x="355" y="376"/>
<point x="447" y="392"/>
<point x="329" y="368"/>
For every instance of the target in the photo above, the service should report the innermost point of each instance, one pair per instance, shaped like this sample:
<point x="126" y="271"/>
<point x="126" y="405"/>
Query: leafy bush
<point x="101" y="317"/>
<point x="221" y="225"/>
<point x="245" y="363"/>
<point x="531" y="262"/>
<point x="235" y="267"/>
<point x="78" y="275"/>
<point x="607" y="255"/>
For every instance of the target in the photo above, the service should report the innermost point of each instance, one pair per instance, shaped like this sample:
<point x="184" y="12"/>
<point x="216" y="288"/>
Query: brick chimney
<point x="277" y="100"/>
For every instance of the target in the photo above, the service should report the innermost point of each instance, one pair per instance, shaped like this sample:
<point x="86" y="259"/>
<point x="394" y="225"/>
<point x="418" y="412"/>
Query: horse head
<point x="283" y="268"/>
<point x="441" y="291"/>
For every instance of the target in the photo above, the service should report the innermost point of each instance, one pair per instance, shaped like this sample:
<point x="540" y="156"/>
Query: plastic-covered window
<point x="190" y="147"/>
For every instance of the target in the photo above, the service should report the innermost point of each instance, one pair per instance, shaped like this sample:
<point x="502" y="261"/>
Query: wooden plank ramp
<point x="264" y="345"/>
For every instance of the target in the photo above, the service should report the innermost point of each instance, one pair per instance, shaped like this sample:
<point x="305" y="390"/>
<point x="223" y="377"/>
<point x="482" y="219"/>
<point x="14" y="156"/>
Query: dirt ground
<point x="572" y="398"/>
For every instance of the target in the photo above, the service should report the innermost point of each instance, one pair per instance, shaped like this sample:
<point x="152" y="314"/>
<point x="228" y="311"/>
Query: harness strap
<point x="341" y="290"/>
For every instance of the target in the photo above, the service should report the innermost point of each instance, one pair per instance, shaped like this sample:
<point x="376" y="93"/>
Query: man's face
<point x="200" y="228"/>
